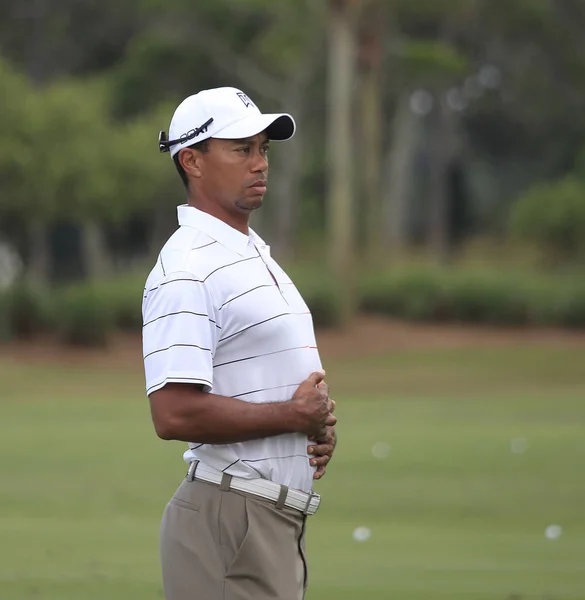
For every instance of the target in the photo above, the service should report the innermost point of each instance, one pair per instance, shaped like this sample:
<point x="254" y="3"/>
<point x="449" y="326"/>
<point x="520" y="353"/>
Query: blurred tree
<point x="268" y="49"/>
<point x="21" y="125"/>
<point x="370" y="53"/>
<point x="473" y="86"/>
<point x="552" y="216"/>
<point x="64" y="167"/>
<point x="341" y="150"/>
<point x="430" y="61"/>
<point x="50" y="38"/>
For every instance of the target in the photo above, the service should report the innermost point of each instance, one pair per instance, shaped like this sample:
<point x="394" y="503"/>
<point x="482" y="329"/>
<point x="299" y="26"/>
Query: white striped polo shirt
<point x="219" y="311"/>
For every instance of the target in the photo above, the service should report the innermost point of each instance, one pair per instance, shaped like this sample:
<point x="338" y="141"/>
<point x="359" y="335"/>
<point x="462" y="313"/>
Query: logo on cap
<point x="245" y="99"/>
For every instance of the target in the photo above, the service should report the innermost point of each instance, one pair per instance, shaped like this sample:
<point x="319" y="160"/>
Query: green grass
<point x="454" y="514"/>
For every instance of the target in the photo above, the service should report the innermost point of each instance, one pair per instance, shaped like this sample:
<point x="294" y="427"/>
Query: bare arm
<point x="184" y="412"/>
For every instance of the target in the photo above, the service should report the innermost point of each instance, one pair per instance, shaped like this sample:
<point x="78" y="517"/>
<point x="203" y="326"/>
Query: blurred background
<point x="431" y="209"/>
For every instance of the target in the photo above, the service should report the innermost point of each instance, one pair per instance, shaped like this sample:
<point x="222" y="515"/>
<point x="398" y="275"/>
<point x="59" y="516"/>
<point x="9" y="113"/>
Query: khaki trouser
<point x="226" y="545"/>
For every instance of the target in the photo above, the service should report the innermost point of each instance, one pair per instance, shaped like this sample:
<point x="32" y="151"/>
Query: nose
<point x="260" y="163"/>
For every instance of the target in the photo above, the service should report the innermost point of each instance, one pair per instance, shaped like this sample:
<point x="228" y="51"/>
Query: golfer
<point x="232" y="368"/>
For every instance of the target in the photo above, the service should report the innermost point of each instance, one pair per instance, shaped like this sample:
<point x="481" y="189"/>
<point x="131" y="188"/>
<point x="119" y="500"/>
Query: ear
<point x="191" y="161"/>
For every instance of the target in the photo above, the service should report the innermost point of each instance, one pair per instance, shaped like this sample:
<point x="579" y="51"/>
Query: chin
<point x="250" y="205"/>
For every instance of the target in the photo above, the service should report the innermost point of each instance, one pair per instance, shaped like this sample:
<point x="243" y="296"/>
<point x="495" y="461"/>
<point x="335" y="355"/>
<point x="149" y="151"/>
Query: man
<point x="232" y="368"/>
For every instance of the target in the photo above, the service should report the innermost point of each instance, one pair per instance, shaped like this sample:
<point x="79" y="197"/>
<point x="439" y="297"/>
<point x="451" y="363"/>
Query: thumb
<point x="315" y="378"/>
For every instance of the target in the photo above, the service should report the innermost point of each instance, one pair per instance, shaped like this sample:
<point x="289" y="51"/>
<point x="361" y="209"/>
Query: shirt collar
<point x="227" y="236"/>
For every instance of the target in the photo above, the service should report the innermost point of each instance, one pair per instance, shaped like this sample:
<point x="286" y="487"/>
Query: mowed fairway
<point x="454" y="513"/>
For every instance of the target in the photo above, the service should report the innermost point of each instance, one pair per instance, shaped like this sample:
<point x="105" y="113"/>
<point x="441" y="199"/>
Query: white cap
<point x="234" y="116"/>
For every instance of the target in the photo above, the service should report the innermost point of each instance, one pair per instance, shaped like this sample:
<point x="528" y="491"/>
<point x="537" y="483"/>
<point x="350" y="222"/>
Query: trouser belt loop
<point x="192" y="469"/>
<point x="282" y="497"/>
<point x="226" y="481"/>
<point x="308" y="504"/>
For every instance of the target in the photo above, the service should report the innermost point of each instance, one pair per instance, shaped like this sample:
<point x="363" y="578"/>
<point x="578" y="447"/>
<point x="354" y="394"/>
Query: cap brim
<point x="278" y="127"/>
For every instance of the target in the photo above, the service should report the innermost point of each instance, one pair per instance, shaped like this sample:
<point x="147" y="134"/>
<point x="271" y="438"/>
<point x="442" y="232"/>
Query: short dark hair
<point x="202" y="147"/>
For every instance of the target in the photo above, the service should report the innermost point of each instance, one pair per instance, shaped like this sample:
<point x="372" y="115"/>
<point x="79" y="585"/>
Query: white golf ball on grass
<point x="362" y="534"/>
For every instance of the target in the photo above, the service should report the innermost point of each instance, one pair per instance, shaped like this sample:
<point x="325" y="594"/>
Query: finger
<point x="323" y="387"/>
<point x="321" y="435"/>
<point x="320" y="461"/>
<point x="329" y="437"/>
<point x="315" y="378"/>
<point x="320" y="472"/>
<point x="330" y="421"/>
<point x="333" y="405"/>
<point x="320" y="450"/>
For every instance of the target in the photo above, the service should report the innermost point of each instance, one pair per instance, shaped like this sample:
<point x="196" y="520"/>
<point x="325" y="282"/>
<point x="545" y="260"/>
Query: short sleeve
<point x="179" y="333"/>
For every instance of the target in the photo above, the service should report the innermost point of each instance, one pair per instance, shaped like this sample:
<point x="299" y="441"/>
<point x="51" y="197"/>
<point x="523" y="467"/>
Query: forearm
<point x="212" y="419"/>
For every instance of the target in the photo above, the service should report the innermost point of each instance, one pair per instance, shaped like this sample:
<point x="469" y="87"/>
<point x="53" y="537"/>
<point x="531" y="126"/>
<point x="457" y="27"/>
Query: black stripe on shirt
<point x="182" y="380"/>
<point x="247" y="460"/>
<point x="278" y="387"/>
<point x="205" y="245"/>
<point x="261" y="323"/>
<point x="244" y="293"/>
<point x="180" y="312"/>
<point x="177" y="346"/>
<point x="172" y="281"/>
<point x="230" y="362"/>
<point x="161" y="264"/>
<point x="201" y="280"/>
<point x="235" y="461"/>
<point x="230" y="265"/>
<point x="262" y="476"/>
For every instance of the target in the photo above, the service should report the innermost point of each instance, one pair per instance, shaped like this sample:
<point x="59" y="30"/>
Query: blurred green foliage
<point x="65" y="152"/>
<point x="83" y="105"/>
<point x="80" y="317"/>
<point x="478" y="295"/>
<point x="552" y="214"/>
<point x="88" y="313"/>
<point x="26" y="311"/>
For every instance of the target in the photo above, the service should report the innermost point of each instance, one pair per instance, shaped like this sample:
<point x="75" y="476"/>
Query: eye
<point x="265" y="149"/>
<point x="244" y="150"/>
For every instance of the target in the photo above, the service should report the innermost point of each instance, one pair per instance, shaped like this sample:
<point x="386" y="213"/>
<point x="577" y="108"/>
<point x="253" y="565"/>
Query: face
<point x="232" y="174"/>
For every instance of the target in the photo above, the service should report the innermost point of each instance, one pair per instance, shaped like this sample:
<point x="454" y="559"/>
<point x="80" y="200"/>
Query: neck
<point x="239" y="222"/>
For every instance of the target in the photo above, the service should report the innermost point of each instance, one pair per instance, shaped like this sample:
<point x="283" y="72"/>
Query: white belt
<point x="263" y="488"/>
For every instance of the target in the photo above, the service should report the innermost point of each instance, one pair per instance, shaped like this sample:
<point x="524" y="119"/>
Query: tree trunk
<point x="286" y="200"/>
<point x="404" y="137"/>
<point x="287" y="180"/>
<point x="39" y="262"/>
<point x="341" y="56"/>
<point x="441" y="153"/>
<point x="287" y="193"/>
<point x="96" y="260"/>
<point x="371" y="128"/>
<point x="164" y="223"/>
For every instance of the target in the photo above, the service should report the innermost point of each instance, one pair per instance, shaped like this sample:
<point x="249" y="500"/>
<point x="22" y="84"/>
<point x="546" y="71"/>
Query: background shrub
<point x="24" y="311"/>
<point x="552" y="215"/>
<point x="319" y="292"/>
<point x="416" y="293"/>
<point x="81" y="317"/>
<point x="123" y="298"/>
<point x="5" y="327"/>
<point x="476" y="295"/>
<point x="87" y="313"/>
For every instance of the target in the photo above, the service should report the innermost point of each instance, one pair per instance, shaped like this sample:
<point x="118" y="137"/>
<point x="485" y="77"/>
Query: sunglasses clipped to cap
<point x="164" y="144"/>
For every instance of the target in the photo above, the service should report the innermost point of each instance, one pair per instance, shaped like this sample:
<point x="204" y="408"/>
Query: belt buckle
<point x="191" y="471"/>
<point x="305" y="510"/>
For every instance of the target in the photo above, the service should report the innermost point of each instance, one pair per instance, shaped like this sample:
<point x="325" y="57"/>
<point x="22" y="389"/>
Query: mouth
<point x="259" y="187"/>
